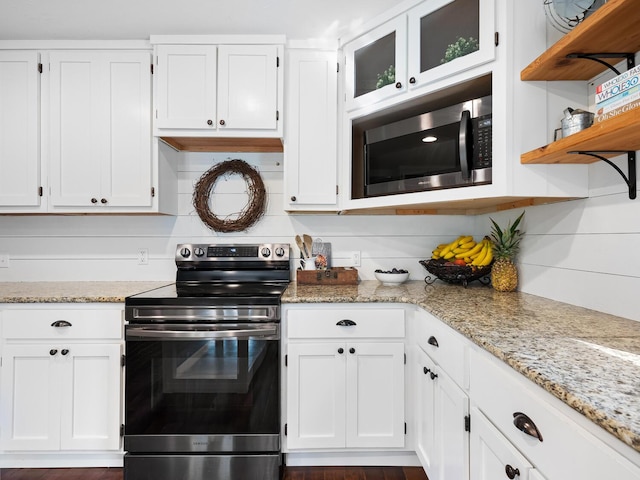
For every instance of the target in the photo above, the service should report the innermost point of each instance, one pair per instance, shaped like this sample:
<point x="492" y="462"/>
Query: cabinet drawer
<point x="444" y="345"/>
<point x="346" y="323"/>
<point x="567" y="450"/>
<point x="40" y="324"/>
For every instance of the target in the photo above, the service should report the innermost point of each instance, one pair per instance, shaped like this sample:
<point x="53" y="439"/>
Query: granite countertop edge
<point x="485" y="307"/>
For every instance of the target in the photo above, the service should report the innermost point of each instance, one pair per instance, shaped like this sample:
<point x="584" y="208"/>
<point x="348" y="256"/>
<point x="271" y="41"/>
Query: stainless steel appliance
<point x="446" y="148"/>
<point x="202" y="388"/>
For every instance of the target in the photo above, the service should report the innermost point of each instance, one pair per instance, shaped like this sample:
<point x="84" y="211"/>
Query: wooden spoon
<point x="301" y="246"/>
<point x="308" y="243"/>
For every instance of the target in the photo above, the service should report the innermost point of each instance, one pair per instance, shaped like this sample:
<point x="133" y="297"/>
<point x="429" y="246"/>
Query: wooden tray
<point x="330" y="276"/>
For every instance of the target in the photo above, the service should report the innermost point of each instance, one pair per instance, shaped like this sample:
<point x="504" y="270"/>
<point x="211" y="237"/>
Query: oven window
<point x="409" y="156"/>
<point x="227" y="386"/>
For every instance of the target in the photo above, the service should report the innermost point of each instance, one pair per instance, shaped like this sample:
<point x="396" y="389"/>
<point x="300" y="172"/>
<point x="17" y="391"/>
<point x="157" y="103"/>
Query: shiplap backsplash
<point x="579" y="252"/>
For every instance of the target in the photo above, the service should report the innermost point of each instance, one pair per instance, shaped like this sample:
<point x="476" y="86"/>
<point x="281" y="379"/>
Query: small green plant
<point x="460" y="48"/>
<point x="387" y="77"/>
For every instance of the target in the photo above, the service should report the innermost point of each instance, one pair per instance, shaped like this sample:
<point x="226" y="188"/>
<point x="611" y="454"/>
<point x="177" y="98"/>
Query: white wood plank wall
<point x="582" y="252"/>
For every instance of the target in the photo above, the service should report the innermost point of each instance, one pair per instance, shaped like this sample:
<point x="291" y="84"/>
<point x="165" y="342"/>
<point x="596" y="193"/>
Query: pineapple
<point x="506" y="243"/>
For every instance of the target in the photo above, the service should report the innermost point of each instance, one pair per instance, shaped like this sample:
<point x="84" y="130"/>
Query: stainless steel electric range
<point x="202" y="378"/>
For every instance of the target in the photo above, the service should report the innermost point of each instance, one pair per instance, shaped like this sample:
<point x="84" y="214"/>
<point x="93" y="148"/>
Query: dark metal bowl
<point x="456" y="274"/>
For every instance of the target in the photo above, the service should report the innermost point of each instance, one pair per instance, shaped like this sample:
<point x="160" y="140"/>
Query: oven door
<point x="205" y="388"/>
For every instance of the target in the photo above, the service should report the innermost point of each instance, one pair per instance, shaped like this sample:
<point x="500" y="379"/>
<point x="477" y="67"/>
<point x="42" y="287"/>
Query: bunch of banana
<point x="464" y="250"/>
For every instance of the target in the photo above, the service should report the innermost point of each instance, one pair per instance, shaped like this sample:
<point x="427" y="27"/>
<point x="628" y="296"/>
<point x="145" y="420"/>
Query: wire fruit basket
<point x="456" y="274"/>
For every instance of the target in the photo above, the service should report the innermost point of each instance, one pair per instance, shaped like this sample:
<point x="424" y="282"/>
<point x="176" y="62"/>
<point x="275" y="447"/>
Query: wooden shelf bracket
<point x="631" y="180"/>
<point x="597" y="57"/>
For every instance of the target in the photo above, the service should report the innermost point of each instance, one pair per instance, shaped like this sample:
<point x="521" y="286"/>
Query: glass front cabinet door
<point x="449" y="36"/>
<point x="376" y="65"/>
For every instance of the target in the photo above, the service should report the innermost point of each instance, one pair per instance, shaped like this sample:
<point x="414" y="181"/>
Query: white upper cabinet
<point x="376" y="64"/>
<point x="248" y="87"/>
<point x="433" y="40"/>
<point x="100" y="130"/>
<point x="19" y="130"/>
<point x="448" y="36"/>
<point x="310" y="162"/>
<point x="218" y="86"/>
<point x="186" y="86"/>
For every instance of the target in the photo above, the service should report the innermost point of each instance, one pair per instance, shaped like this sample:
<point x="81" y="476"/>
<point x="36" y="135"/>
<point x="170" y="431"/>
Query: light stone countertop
<point x="587" y="359"/>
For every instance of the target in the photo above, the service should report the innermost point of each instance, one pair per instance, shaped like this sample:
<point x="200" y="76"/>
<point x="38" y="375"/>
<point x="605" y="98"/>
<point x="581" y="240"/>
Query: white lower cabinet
<point x="345" y="379"/>
<point x="442" y="413"/>
<point x="60" y="380"/>
<point x="493" y="456"/>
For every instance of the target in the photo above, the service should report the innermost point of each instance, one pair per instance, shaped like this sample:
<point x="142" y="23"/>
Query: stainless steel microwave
<point x="445" y="148"/>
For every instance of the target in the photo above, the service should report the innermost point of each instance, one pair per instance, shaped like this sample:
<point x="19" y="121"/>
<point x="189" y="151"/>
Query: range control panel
<point x="186" y="252"/>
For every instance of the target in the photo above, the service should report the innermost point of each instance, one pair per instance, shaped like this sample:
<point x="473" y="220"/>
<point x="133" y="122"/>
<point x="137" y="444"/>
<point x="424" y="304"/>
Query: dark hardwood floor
<point x="291" y="473"/>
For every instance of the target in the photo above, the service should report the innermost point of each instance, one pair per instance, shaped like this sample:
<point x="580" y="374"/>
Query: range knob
<point x="279" y="252"/>
<point x="266" y="252"/>
<point x="185" y="252"/>
<point x="198" y="252"/>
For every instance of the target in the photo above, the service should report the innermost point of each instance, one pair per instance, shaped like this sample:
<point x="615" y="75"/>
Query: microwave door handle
<point x="463" y="144"/>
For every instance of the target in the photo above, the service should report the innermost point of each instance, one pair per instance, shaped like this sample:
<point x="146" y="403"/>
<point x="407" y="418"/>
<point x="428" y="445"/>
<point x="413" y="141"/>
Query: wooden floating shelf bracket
<point x="597" y="57"/>
<point x="631" y="180"/>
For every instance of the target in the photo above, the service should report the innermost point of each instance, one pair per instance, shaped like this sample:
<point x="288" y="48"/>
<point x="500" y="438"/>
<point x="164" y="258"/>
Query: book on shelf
<point x="618" y="85"/>
<point x="600" y="117"/>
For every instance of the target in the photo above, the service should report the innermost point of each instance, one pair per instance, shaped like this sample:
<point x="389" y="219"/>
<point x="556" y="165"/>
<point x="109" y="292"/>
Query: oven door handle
<point x="177" y="333"/>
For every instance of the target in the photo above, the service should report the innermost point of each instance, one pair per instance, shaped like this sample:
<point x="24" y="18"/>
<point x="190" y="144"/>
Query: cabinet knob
<point x="399" y="85"/>
<point x="352" y="350"/>
<point x="209" y="122"/>
<point x="433" y="341"/>
<point x="64" y="351"/>
<point x="94" y="200"/>
<point x="341" y="350"/>
<point x="412" y="80"/>
<point x="511" y="472"/>
<point x="222" y="122"/>
<point x="293" y="198"/>
<point x="425" y="370"/>
<point x="433" y="375"/>
<point x="526" y="425"/>
<point x="103" y="201"/>
<point x="53" y="351"/>
<point x="61" y="323"/>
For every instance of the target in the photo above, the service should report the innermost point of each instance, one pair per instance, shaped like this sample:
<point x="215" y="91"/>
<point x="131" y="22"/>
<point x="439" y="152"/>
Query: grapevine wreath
<point x="252" y="211"/>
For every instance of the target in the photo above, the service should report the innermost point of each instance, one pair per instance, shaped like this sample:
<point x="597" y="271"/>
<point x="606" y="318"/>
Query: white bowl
<point x="391" y="279"/>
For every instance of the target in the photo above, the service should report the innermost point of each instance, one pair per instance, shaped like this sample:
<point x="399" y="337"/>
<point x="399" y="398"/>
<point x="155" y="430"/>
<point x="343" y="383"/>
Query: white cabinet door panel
<point x="375" y="394"/>
<point x="126" y="174"/>
<point x="186" y="86"/>
<point x="310" y="140"/>
<point x="247" y="87"/>
<point x="19" y="129"/>
<point x="90" y="400"/>
<point x="316" y="396"/>
<point x="30" y="400"/>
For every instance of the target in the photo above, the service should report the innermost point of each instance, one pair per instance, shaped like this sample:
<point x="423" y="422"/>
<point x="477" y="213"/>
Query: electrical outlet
<point x="355" y="259"/>
<point x="143" y="256"/>
<point x="4" y="260"/>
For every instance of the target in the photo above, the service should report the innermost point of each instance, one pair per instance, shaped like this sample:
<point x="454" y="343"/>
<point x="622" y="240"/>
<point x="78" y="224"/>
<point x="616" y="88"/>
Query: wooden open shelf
<point x="613" y="28"/>
<point x="617" y="133"/>
<point x="226" y="144"/>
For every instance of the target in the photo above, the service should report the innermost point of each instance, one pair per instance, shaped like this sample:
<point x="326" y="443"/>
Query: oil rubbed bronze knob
<point x="53" y="351"/>
<point x="209" y="122"/>
<point x="341" y="350"/>
<point x="64" y="351"/>
<point x="222" y="122"/>
<point x="412" y="80"/>
<point x="103" y="201"/>
<point x="94" y="200"/>
<point x="399" y="85"/>
<point x="511" y="472"/>
<point x="293" y="198"/>
<point x="352" y="350"/>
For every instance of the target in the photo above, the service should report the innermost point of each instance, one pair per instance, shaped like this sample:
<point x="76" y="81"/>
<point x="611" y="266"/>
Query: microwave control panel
<point x="482" y="141"/>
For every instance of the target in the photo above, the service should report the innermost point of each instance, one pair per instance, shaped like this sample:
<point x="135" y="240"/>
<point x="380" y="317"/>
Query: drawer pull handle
<point x="61" y="323"/>
<point x="64" y="351"/>
<point x="53" y="351"/>
<point x="346" y="323"/>
<point x="433" y="341"/>
<point x="525" y="424"/>
<point x="511" y="472"/>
